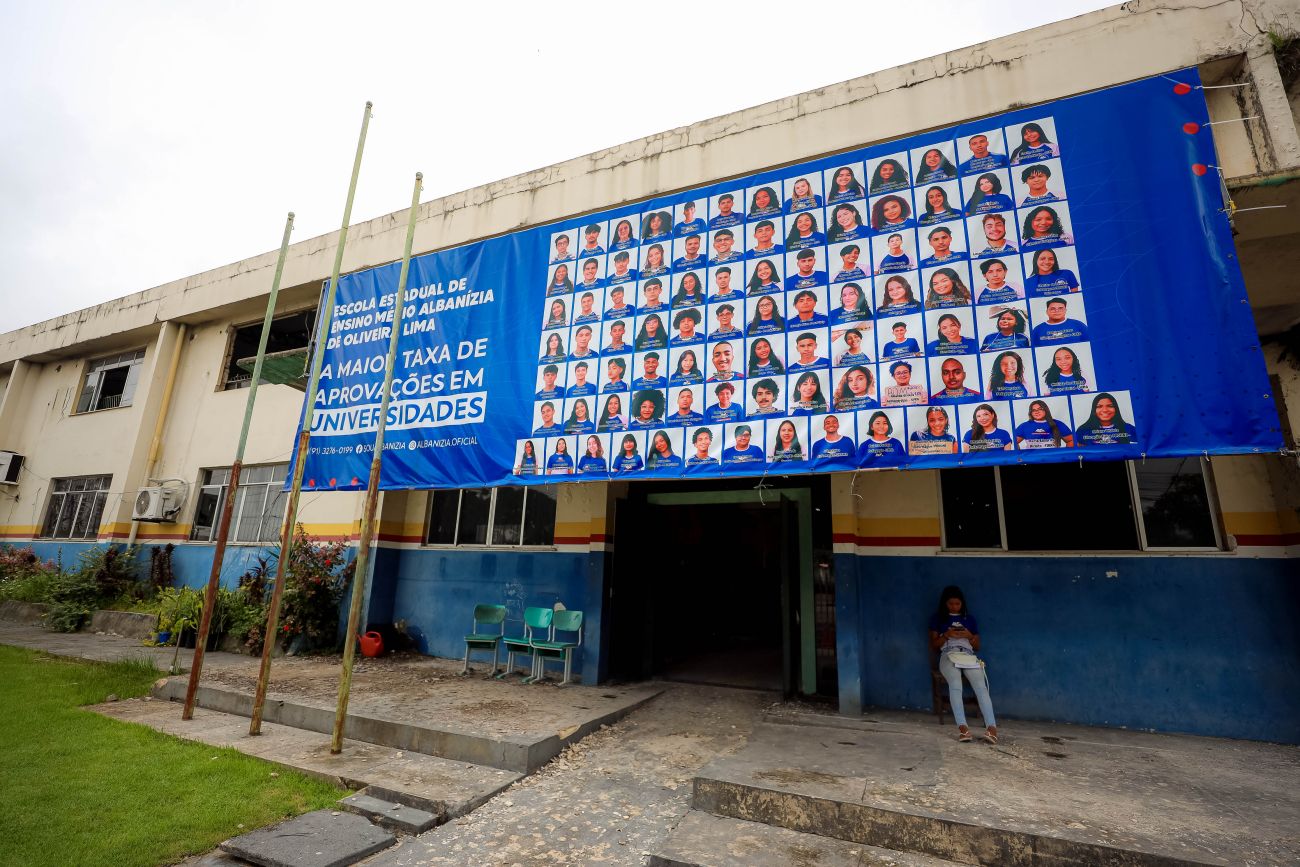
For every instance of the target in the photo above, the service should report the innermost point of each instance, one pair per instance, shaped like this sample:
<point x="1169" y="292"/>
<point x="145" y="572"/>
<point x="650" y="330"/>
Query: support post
<point x="372" y="484"/>
<point x="223" y="527"/>
<point x="304" y="439"/>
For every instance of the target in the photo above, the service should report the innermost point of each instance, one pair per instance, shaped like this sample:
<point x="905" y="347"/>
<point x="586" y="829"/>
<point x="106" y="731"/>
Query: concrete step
<point x="391" y="814"/>
<point x="520" y="753"/>
<point x="704" y="840"/>
<point x="324" y="838"/>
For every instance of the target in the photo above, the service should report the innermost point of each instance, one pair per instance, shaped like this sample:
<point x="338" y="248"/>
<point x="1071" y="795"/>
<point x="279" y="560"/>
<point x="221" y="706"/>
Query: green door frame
<point x="802" y="499"/>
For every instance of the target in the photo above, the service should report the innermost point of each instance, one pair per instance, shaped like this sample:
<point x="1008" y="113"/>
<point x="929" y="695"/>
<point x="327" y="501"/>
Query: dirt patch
<point x="789" y="776"/>
<point x="491" y="707"/>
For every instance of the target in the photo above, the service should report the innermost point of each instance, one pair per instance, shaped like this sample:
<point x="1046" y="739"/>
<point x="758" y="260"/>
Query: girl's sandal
<point x="990" y="736"/>
<point x="963" y="736"/>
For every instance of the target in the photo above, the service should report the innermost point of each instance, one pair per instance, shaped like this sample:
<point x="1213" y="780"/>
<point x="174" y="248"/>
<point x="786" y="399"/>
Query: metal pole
<point x="223" y="527"/>
<point x="372" y="485"/>
<point x="304" y="439"/>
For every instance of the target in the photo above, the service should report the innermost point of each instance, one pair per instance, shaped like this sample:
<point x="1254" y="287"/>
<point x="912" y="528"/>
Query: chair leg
<point x="465" y="670"/>
<point x="568" y="666"/>
<point x="496" y="655"/>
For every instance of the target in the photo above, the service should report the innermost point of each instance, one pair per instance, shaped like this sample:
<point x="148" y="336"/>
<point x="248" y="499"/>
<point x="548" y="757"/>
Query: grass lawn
<point x="80" y="788"/>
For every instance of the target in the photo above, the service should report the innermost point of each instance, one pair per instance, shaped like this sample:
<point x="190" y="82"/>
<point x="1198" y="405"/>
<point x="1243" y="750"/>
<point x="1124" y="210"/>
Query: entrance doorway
<point x="709" y="582"/>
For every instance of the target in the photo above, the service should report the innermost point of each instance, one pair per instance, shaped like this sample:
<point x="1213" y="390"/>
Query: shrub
<point x="160" y="567"/>
<point x="318" y="575"/>
<point x="24" y="576"/>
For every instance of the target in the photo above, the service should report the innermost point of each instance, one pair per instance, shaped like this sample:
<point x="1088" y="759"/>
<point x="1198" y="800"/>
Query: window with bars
<point x="76" y="507"/>
<point x="259" y="504"/>
<point x="110" y="382"/>
<point x="492" y="516"/>
<point x="1158" y="504"/>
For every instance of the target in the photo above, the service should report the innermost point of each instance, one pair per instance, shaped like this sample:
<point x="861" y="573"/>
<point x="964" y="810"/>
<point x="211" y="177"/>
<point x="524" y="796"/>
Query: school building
<point x="1147" y="594"/>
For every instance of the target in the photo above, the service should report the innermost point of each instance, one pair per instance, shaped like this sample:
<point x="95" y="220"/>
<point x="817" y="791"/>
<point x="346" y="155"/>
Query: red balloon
<point x="1182" y="88"/>
<point x="1191" y="127"/>
<point x="1199" y="169"/>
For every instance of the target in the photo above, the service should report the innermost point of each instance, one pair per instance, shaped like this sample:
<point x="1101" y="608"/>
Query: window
<point x="492" y="516"/>
<point x="259" y="504"/>
<point x="287" y="333"/>
<point x="110" y="382"/>
<point x="1156" y="504"/>
<point x="76" y="506"/>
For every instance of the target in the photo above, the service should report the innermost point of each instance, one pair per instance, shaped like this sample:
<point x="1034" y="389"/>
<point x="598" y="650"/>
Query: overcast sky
<point x="146" y="141"/>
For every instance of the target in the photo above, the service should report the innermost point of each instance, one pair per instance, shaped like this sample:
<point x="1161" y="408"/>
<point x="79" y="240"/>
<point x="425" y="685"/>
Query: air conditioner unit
<point x="157" y="504"/>
<point x="11" y="463"/>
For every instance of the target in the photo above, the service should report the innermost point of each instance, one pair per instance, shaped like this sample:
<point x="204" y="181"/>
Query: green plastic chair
<point x="537" y="621"/>
<point x="552" y="648"/>
<point x="486" y="615"/>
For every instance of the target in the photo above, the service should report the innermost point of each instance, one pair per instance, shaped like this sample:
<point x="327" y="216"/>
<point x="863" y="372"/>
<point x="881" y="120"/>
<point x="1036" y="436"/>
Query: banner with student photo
<point x="1052" y="284"/>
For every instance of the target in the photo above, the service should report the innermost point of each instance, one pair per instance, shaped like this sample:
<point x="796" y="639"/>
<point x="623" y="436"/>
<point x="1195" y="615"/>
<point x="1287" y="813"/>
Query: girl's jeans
<point x="978" y="683"/>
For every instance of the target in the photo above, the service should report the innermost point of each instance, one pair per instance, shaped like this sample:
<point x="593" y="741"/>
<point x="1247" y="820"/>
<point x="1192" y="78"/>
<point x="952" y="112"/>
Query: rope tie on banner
<point x="1182" y="88"/>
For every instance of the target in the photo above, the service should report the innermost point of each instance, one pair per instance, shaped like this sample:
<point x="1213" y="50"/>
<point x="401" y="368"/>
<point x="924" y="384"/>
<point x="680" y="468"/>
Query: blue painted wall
<point x="191" y="563"/>
<point x="435" y="591"/>
<point x="1187" y="644"/>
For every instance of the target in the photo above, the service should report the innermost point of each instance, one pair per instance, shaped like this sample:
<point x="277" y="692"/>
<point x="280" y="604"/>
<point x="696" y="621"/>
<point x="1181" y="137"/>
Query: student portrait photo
<point x="888" y="174"/>
<point x="647" y="409"/>
<point x="1043" y="423"/>
<point x="688" y="291"/>
<point x="651" y="332"/>
<point x="527" y="459"/>
<point x="1004" y="326"/>
<point x="551" y="379"/>
<point x="1104" y="419"/>
<point x="947" y="243"/>
<point x="932" y="430"/>
<point x="688" y="253"/>
<point x="806" y="350"/>
<point x="613" y="414"/>
<point x="804" y="230"/>
<point x="855" y="389"/>
<point x="763" y="201"/>
<point x="723" y="406"/>
<point x="650" y="373"/>
<point x="591" y="273"/>
<point x="559" y="456"/>
<point x="892" y="212"/>
<point x="685" y="406"/>
<point x="765" y="238"/>
<point x="993" y="235"/>
<point x="1039" y="184"/>
<point x="553" y="349"/>
<point x="614" y="337"/>
<point x="765" y="316"/>
<point x="742" y="451"/>
<point x="933" y="163"/>
<point x="664" y="452"/>
<point x="947" y="286"/>
<point x="623" y="234"/>
<point x="833" y="444"/>
<point x="955" y="379"/>
<point x="562" y="247"/>
<point x="653" y="298"/>
<point x="808" y="392"/>
<point x="938" y="203"/>
<point x="1064" y="369"/>
<point x="726" y="320"/>
<point x="588" y="308"/>
<point x="894" y="252"/>
<point x="764" y="276"/>
<point x="907" y="384"/>
<point x="807" y="308"/>
<point x="726" y="360"/>
<point x="1051" y="272"/>
<point x="986" y="427"/>
<point x="981" y="152"/>
<point x="897" y="295"/>
<point x="1032" y="142"/>
<point x="584" y="345"/>
<point x="629" y="458"/>
<point x="547" y="418"/>
<point x="727" y="283"/>
<point x="999" y="281"/>
<point x="850" y="268"/>
<point x="726" y="211"/>
<point x="654" y="260"/>
<point x="854" y="303"/>
<point x="987" y="192"/>
<point x="786" y="441"/>
<point x="687" y="330"/>
<point x="805" y="269"/>
<point x="615" y="374"/>
<point x="880" y="435"/>
<point x="1060" y="319"/>
<point x="1009" y="374"/>
<point x="766" y="397"/>
<point x="689" y="219"/>
<point x="803" y="193"/>
<point x="593" y="460"/>
<point x="622" y="267"/>
<point x="685" y="366"/>
<point x="580" y="420"/>
<point x="899" y="337"/>
<point x="560" y="281"/>
<point x="853" y="344"/>
<point x="950" y="332"/>
<point x="726" y="245"/>
<point x="844" y="183"/>
<point x="592" y="241"/>
<point x="582" y="378"/>
<point x="703" y="450"/>
<point x="846" y="222"/>
<point x="656" y="225"/>
<point x="1044" y="226"/>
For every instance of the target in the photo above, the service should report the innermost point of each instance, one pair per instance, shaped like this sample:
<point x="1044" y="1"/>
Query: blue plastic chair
<point x="479" y="639"/>
<point x="537" y="624"/>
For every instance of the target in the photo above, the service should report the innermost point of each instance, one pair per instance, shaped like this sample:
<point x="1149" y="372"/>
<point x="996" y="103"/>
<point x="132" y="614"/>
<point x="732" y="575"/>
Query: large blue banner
<point x="1052" y="284"/>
